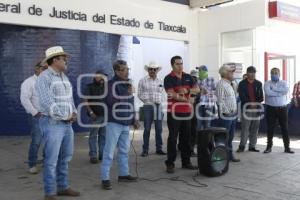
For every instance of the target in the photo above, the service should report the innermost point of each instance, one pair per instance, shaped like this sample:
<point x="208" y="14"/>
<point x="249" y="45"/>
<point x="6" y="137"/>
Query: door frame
<point x="274" y="56"/>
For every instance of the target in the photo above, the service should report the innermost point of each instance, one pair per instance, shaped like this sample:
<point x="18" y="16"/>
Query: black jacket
<point x="244" y="95"/>
<point x="96" y="89"/>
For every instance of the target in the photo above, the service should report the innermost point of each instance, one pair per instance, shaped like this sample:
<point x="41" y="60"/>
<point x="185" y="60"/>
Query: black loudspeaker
<point x="213" y="156"/>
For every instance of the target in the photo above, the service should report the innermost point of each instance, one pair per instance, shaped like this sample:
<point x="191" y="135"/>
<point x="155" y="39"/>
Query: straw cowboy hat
<point x="152" y="65"/>
<point x="54" y="51"/>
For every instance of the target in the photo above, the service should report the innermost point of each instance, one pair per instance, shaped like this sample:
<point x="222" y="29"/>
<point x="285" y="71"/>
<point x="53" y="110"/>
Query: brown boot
<point x="52" y="197"/>
<point x="68" y="192"/>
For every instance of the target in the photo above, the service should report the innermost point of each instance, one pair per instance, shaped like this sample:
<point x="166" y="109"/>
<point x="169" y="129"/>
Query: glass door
<point x="286" y="65"/>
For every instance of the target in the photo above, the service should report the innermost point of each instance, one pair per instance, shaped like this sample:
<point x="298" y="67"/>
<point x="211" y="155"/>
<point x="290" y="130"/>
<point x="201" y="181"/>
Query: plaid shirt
<point x="209" y="99"/>
<point x="296" y="92"/>
<point x="150" y="91"/>
<point x="226" y="97"/>
<point x="55" y="94"/>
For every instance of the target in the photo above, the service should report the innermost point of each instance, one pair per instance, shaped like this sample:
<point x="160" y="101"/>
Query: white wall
<point x="159" y="51"/>
<point x="212" y="23"/>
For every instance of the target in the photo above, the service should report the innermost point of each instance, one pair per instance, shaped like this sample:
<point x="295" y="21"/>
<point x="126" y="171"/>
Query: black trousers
<point x="194" y="132"/>
<point x="176" y="127"/>
<point x="280" y="114"/>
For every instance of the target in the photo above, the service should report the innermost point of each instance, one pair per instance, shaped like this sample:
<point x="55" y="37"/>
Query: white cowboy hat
<point x="152" y="65"/>
<point x="194" y="73"/>
<point x="54" y="51"/>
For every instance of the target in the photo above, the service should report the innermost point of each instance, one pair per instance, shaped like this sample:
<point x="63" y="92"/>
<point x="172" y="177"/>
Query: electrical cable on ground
<point x="176" y="178"/>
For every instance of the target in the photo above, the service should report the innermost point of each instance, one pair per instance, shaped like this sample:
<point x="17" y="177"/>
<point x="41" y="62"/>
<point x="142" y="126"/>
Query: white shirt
<point x="150" y="91"/>
<point x="226" y="97"/>
<point x="276" y="93"/>
<point x="29" y="98"/>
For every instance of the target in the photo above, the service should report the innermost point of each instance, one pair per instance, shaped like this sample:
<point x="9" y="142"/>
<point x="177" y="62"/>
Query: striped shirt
<point x="296" y="92"/>
<point x="28" y="97"/>
<point x="226" y="97"/>
<point x="276" y="93"/>
<point x="55" y="94"/>
<point x="150" y="91"/>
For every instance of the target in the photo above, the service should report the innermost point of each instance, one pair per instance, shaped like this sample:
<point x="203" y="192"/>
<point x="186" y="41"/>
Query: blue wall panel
<point x="21" y="47"/>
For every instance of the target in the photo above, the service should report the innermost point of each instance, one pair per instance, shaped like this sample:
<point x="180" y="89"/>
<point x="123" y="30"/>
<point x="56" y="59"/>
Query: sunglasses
<point x="152" y="69"/>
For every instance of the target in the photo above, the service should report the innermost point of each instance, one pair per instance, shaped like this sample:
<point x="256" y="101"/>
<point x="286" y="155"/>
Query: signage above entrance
<point x="135" y="17"/>
<point x="285" y="12"/>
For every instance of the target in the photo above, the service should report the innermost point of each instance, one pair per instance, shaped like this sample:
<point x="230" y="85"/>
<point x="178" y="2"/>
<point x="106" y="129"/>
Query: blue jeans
<point x="203" y="117"/>
<point x="97" y="133"/>
<point x="117" y="136"/>
<point x="36" y="139"/>
<point x="152" y="113"/>
<point x="229" y="124"/>
<point x="59" y="143"/>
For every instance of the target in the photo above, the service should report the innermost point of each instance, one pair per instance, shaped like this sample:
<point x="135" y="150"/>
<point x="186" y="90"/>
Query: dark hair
<point x="38" y="65"/>
<point x="174" y="58"/>
<point x="275" y="68"/>
<point x="100" y="72"/>
<point x="251" y="69"/>
<point x="118" y="63"/>
<point x="50" y="60"/>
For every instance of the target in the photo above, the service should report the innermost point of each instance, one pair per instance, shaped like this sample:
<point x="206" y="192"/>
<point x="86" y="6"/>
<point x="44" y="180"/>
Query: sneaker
<point x="68" y="192"/>
<point x="127" y="179"/>
<point x="51" y="197"/>
<point x="106" y="185"/>
<point x="189" y="166"/>
<point x="160" y="152"/>
<point x="94" y="160"/>
<point x="33" y="170"/>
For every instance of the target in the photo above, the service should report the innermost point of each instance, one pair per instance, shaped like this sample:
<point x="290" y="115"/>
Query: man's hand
<point x="93" y="116"/>
<point x="204" y="91"/>
<point x="136" y="124"/>
<point x="38" y="115"/>
<point x="72" y="118"/>
<point x="296" y="103"/>
<point x="182" y="98"/>
<point x="192" y="100"/>
<point x="130" y="89"/>
<point x="183" y="91"/>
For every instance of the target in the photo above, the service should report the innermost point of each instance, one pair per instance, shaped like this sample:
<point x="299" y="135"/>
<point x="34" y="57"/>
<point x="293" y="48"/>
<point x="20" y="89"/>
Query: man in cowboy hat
<point x="58" y="112"/>
<point x="30" y="102"/>
<point x="150" y="91"/>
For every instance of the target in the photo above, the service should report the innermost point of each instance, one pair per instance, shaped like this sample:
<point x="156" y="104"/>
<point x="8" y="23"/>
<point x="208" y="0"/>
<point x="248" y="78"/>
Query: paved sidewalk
<point x="275" y="176"/>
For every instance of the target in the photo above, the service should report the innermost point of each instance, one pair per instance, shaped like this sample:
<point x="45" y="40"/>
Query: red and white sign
<point x="283" y="11"/>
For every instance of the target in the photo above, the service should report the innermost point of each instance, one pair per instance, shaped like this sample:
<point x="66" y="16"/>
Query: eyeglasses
<point x="152" y="69"/>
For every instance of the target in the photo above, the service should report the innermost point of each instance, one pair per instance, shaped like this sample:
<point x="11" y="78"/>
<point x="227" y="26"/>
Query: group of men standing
<point x="48" y="98"/>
